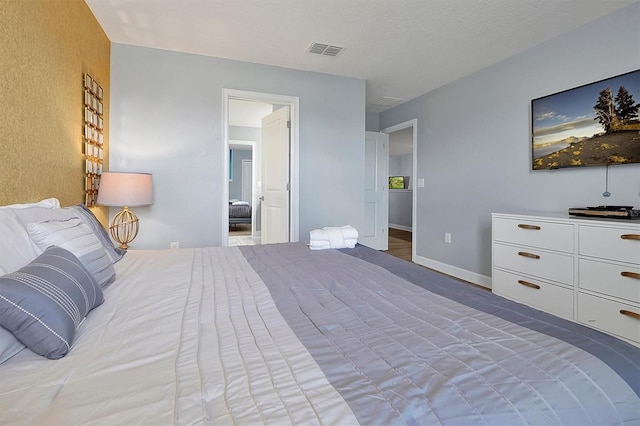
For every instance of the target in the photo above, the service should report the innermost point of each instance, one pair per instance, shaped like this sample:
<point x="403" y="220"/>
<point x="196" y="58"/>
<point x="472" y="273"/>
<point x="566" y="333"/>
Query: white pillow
<point x="16" y="248"/>
<point x="49" y="203"/>
<point x="75" y="236"/>
<point x="41" y="214"/>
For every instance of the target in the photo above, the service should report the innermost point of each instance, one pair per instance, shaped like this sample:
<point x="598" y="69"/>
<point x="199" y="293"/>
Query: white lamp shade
<point x="125" y="189"/>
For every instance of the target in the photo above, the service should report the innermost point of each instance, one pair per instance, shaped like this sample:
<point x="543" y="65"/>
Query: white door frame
<point x="294" y="153"/>
<point x="414" y="225"/>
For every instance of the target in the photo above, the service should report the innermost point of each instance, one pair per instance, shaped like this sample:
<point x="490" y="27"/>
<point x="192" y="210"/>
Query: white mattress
<point x="186" y="336"/>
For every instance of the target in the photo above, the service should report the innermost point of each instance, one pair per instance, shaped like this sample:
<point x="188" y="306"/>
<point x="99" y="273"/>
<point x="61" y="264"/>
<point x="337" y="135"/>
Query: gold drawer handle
<point x="528" y="284"/>
<point x="530" y="255"/>
<point x="630" y="237"/>
<point x="634" y="275"/>
<point x="524" y="226"/>
<point x="630" y="314"/>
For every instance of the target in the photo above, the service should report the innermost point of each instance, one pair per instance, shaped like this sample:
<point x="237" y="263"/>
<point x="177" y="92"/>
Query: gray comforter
<point x="280" y="334"/>
<point x="404" y="345"/>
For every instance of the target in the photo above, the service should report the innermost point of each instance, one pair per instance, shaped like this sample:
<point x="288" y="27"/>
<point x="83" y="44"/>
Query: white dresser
<point x="582" y="269"/>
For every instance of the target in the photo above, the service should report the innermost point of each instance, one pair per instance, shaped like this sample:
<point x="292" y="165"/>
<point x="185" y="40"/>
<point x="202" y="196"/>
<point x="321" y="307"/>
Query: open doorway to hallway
<point x="251" y="167"/>
<point x="244" y="136"/>
<point x="242" y="216"/>
<point x="402" y="198"/>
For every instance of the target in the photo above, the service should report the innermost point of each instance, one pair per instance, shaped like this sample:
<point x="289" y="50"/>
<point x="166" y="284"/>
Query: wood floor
<point x="240" y="229"/>
<point x="400" y="244"/>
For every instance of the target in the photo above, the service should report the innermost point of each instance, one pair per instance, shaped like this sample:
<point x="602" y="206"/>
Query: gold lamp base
<point x="124" y="227"/>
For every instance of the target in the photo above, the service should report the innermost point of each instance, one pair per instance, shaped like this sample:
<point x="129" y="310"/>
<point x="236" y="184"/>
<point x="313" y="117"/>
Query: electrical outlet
<point x="447" y="237"/>
<point x="174" y="244"/>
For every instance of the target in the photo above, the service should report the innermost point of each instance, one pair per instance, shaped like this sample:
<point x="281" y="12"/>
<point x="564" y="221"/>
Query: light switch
<point x="420" y="183"/>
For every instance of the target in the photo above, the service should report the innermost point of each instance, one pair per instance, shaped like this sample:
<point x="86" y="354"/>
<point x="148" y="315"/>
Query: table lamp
<point x="122" y="189"/>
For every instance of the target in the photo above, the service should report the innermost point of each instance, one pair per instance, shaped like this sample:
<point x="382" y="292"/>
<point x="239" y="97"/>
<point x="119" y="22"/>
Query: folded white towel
<point x="319" y="245"/>
<point x="333" y="237"/>
<point x="351" y="243"/>
<point x="349" y="232"/>
<point x="240" y="203"/>
<point x="336" y="239"/>
<point x="318" y="235"/>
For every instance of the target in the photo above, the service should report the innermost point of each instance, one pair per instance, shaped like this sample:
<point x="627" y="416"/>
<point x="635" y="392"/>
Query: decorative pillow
<point x="89" y="219"/>
<point x="16" y="247"/>
<point x="44" y="303"/>
<point x="75" y="236"/>
<point x="9" y="345"/>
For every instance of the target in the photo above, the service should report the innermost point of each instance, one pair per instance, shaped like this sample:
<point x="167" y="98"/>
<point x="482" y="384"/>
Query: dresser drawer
<point x="606" y="315"/>
<point x="611" y="279"/>
<point x="543" y="264"/>
<point x="539" y="294"/>
<point x="610" y="243"/>
<point x="547" y="235"/>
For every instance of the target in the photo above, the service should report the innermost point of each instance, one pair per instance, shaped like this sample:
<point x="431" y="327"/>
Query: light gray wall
<point x="243" y="133"/>
<point x="166" y="118"/>
<point x="372" y="122"/>
<point x="400" y="205"/>
<point x="473" y="141"/>
<point x="402" y="165"/>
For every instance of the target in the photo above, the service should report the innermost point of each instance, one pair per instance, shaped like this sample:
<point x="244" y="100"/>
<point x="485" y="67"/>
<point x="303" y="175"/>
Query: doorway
<point x="242" y="220"/>
<point x="402" y="201"/>
<point x="235" y="129"/>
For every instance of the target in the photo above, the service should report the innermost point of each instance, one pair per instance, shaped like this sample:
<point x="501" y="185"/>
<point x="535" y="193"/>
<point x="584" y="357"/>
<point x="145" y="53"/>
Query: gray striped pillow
<point x="44" y="303"/>
<point x="76" y="237"/>
<point x="89" y="219"/>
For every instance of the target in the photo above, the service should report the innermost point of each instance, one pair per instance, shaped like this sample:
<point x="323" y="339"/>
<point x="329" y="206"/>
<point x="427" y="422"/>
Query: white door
<point x="376" y="192"/>
<point x="274" y="205"/>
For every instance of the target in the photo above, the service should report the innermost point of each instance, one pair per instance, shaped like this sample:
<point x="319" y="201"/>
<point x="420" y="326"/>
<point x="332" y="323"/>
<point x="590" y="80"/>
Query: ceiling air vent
<point x="388" y="101"/>
<point x="325" y="49"/>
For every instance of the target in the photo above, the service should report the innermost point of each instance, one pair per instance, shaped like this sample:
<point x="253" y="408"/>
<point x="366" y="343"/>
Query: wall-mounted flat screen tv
<point x="398" y="182"/>
<point x="592" y="125"/>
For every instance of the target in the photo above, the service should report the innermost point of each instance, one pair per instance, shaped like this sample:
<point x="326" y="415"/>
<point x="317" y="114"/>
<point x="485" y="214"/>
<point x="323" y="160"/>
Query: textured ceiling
<point x="402" y="48"/>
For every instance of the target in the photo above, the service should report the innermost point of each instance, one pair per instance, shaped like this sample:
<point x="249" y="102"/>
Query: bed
<point x="280" y="334"/>
<point x="239" y="212"/>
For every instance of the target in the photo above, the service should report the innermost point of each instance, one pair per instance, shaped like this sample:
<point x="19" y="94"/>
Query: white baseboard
<point x="463" y="274"/>
<point x="401" y="227"/>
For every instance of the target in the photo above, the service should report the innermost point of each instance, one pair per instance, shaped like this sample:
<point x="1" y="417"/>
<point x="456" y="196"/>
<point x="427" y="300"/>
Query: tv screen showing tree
<point x="396" y="182"/>
<point x="591" y="125"/>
